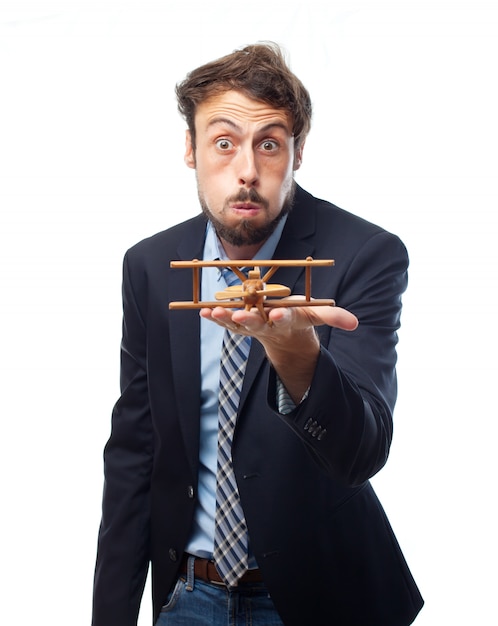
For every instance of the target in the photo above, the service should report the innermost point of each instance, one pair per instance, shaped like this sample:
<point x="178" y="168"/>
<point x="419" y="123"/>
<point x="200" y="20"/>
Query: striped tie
<point x="230" y="538"/>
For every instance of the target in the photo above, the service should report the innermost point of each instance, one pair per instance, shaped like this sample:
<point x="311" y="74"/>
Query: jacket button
<point x="172" y="554"/>
<point x="190" y="491"/>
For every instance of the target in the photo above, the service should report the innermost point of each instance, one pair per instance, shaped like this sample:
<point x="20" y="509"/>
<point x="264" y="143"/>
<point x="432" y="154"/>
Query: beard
<point x="245" y="232"/>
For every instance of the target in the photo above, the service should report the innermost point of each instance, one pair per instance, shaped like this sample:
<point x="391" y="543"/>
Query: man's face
<point x="244" y="160"/>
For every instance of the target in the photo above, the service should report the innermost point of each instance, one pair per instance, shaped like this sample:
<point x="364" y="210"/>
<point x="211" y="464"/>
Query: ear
<point x="189" y="157"/>
<point x="298" y="157"/>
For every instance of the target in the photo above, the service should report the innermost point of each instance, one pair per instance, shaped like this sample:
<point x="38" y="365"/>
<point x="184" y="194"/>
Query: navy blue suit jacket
<point x="320" y="536"/>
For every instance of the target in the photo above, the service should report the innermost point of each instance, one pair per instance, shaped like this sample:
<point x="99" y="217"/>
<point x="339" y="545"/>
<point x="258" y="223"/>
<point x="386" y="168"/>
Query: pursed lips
<point x="247" y="207"/>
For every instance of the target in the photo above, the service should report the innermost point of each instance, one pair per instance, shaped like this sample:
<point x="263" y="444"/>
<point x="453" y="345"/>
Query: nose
<point x="247" y="171"/>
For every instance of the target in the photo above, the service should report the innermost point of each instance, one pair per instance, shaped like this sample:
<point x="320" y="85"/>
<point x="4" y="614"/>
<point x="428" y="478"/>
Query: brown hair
<point x="260" y="72"/>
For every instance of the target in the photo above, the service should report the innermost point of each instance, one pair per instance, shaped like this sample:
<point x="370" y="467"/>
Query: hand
<point x="290" y="341"/>
<point x="284" y="321"/>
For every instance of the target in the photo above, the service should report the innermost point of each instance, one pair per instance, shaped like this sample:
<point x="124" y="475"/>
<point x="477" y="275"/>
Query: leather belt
<point x="205" y="570"/>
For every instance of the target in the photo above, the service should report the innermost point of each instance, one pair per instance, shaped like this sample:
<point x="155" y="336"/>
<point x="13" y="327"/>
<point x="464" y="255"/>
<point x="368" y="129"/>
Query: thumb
<point x="333" y="316"/>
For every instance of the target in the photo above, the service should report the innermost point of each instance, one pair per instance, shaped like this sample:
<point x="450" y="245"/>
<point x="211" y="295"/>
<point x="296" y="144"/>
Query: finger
<point x="336" y="317"/>
<point x="341" y="318"/>
<point x="225" y="318"/>
<point x="219" y="315"/>
<point x="251" y="321"/>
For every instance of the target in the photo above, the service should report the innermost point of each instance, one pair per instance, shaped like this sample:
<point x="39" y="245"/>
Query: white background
<point x="405" y="134"/>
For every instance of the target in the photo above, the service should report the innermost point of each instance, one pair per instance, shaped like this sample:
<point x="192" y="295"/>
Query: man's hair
<point x="261" y="73"/>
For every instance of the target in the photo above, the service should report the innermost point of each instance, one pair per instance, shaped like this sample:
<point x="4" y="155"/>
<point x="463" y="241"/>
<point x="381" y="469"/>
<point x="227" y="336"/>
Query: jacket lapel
<point x="185" y="339"/>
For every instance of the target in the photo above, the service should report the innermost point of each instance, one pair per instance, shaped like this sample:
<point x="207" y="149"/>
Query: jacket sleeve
<point x="346" y="419"/>
<point x="123" y="545"/>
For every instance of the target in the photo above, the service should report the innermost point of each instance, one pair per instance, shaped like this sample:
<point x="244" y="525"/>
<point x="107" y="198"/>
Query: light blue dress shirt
<point x="202" y="537"/>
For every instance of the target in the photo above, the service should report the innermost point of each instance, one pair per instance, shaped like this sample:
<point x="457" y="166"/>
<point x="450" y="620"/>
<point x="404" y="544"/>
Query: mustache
<point x="251" y="195"/>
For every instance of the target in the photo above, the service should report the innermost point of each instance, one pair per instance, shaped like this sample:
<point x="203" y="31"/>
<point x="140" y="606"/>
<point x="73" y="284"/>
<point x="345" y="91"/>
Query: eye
<point x="224" y="144"/>
<point x="269" y="145"/>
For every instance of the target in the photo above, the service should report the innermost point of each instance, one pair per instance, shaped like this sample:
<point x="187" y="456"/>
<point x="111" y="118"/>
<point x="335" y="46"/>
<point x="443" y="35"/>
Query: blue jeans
<point x="194" y="602"/>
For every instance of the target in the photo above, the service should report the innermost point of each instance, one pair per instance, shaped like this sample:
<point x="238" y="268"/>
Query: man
<point x="304" y="540"/>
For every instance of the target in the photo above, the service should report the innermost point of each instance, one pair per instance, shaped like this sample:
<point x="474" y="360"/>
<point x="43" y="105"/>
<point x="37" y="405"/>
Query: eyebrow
<point x="263" y="129"/>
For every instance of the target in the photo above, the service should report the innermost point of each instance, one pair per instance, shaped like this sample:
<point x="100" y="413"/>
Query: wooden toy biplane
<point x="254" y="290"/>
